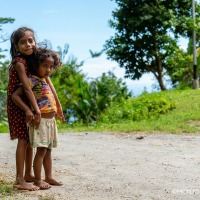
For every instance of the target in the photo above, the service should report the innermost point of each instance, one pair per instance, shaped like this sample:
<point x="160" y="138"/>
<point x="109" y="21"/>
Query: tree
<point x="3" y="36"/>
<point x="66" y="82"/>
<point x="82" y="99"/>
<point x="146" y="35"/>
<point x="111" y="88"/>
<point x="98" y="95"/>
<point x="180" y="69"/>
<point x="3" y="89"/>
<point x="3" y="70"/>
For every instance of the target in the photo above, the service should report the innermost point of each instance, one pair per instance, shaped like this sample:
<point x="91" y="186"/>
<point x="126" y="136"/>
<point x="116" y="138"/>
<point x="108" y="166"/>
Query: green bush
<point x="3" y="113"/>
<point x="4" y="126"/>
<point x="138" y="108"/>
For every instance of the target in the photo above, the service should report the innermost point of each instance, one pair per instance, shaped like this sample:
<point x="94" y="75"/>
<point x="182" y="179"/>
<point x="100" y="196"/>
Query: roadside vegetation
<point x="174" y="112"/>
<point x="145" y="41"/>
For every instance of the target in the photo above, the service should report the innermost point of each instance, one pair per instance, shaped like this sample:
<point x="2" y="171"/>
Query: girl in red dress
<point x="23" y="44"/>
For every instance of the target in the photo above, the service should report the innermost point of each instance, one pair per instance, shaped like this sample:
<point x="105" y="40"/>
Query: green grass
<point x="4" y="128"/>
<point x="185" y="118"/>
<point x="6" y="189"/>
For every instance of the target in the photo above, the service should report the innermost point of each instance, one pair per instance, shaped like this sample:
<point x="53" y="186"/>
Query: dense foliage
<point x="147" y="33"/>
<point x="3" y="69"/>
<point x="4" y="36"/>
<point x="3" y="90"/>
<point x="144" y="107"/>
<point x="83" y="99"/>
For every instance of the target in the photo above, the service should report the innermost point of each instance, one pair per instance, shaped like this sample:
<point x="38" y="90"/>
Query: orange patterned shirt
<point x="43" y="94"/>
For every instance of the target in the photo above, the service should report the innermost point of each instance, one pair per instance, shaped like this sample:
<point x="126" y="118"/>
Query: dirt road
<point x="96" y="166"/>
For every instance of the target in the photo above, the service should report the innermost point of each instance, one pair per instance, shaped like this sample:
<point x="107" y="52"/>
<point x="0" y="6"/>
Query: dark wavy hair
<point x="16" y="36"/>
<point x="39" y="55"/>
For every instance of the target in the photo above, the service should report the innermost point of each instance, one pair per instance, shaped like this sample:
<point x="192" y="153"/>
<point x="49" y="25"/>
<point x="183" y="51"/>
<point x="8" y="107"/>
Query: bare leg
<point x="48" y="169"/>
<point x="37" y="166"/>
<point x="20" y="183"/>
<point x="29" y="177"/>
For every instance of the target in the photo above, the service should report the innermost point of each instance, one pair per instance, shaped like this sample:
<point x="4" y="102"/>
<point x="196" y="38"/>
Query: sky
<point x="83" y="24"/>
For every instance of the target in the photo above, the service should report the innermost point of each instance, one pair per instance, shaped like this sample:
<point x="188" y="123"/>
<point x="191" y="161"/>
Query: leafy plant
<point x="3" y="89"/>
<point x="143" y="107"/>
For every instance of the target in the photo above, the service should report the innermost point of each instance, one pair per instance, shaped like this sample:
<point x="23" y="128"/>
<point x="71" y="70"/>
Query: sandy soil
<point x="96" y="166"/>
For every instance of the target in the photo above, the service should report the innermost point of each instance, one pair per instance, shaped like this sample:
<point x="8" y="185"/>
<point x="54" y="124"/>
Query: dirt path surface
<point x="96" y="166"/>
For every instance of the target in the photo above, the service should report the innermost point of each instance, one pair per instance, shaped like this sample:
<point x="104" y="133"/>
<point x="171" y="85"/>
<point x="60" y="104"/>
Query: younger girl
<point x="45" y="137"/>
<point x="22" y="46"/>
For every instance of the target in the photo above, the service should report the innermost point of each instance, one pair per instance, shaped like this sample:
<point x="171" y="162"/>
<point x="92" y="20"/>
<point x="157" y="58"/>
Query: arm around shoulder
<point x="20" y="68"/>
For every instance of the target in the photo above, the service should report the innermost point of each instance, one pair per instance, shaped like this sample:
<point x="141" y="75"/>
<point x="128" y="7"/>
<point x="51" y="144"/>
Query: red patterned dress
<point x="16" y="116"/>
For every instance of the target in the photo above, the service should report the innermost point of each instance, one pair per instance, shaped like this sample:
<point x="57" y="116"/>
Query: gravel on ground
<point x="104" y="166"/>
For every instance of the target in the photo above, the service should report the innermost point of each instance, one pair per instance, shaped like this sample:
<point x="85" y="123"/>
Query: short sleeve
<point x="18" y="59"/>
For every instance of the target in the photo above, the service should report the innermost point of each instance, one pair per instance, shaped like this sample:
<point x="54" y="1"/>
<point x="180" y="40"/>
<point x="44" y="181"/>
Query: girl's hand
<point x="29" y="116"/>
<point x="37" y="119"/>
<point x="60" y="114"/>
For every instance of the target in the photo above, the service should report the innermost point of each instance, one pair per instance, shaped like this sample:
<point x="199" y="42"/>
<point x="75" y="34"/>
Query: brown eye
<point x="31" y="41"/>
<point x="21" y="42"/>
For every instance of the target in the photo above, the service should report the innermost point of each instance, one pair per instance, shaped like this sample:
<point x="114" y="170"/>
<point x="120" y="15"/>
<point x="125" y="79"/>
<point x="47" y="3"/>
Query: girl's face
<point x="26" y="44"/>
<point x="45" y="68"/>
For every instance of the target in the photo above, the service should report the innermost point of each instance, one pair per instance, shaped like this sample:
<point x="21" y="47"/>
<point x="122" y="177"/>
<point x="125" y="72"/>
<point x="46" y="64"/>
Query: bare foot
<point x="23" y="185"/>
<point x="29" y="178"/>
<point x="42" y="185"/>
<point x="52" y="181"/>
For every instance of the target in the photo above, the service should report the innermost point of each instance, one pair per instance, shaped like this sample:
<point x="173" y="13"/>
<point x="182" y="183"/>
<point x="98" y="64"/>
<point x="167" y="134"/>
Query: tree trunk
<point x="161" y="84"/>
<point x="160" y="75"/>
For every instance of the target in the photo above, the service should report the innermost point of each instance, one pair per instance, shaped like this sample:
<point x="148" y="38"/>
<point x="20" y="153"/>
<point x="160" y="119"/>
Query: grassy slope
<point x="184" y="119"/>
